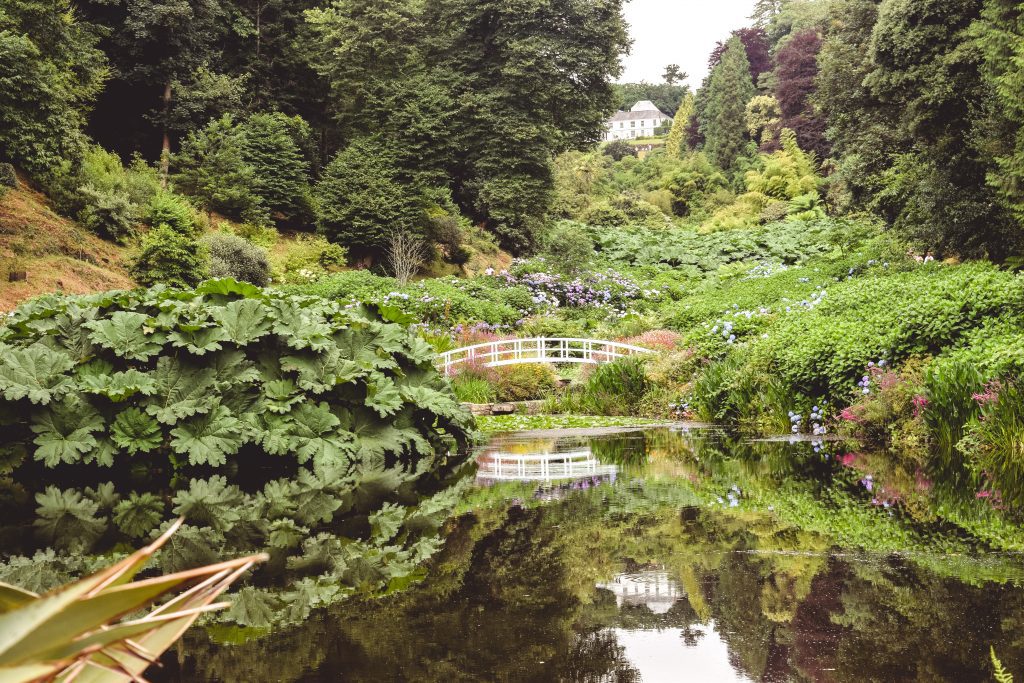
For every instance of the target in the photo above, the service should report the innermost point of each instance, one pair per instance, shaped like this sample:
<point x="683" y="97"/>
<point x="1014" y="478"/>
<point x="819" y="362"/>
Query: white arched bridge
<point x="538" y="350"/>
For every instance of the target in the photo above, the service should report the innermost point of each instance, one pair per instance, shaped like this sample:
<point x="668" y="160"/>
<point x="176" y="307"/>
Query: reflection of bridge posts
<point x="544" y="467"/>
<point x="654" y="589"/>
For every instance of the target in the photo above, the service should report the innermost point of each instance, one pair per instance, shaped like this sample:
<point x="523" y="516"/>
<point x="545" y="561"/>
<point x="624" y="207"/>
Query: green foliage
<point x="234" y="257"/>
<point x="167" y="256"/>
<point x="615" y="388"/>
<point x="525" y="382"/>
<point x="335" y="414"/>
<point x="8" y="178"/>
<point x="619" y="149"/>
<point x="51" y="72"/>
<point x="174" y="211"/>
<point x="361" y="197"/>
<point x="1000" y="673"/>
<point x="994" y="443"/>
<point x="675" y="144"/>
<point x="999" y="34"/>
<point x="212" y="167"/>
<point x="441" y="301"/>
<point x="723" y="121"/>
<point x="107" y="214"/>
<point x="272" y="145"/>
<point x="693" y="185"/>
<point x="825" y="349"/>
<point x="470" y="389"/>
<point x="568" y="247"/>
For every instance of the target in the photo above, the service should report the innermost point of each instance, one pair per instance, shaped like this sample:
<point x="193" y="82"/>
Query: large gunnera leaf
<point x="272" y="422"/>
<point x="36" y="373"/>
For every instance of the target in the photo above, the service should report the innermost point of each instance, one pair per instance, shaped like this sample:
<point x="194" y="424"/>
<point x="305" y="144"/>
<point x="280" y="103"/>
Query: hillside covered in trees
<point x="235" y="236"/>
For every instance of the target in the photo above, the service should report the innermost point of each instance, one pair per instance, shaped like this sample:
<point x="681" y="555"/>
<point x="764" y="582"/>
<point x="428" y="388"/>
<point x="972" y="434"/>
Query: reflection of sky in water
<point x="662" y="656"/>
<point x="667" y="654"/>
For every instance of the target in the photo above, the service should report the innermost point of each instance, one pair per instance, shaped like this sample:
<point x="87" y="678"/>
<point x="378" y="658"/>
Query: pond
<point x="669" y="554"/>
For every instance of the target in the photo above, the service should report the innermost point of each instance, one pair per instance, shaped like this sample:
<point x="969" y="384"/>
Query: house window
<point x="632" y="124"/>
<point x="621" y="124"/>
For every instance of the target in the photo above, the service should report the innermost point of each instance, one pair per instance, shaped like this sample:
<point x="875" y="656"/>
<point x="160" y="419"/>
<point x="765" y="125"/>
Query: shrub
<point x="824" y="350"/>
<point x="619" y="149"/>
<point x="528" y="382"/>
<point x="270" y="422"/>
<point x="271" y="146"/>
<point x="211" y="167"/>
<point x="234" y="257"/>
<point x="362" y="195"/>
<point x="169" y="257"/>
<point x="568" y="247"/>
<point x="172" y="210"/>
<point x="470" y="389"/>
<point x="656" y="340"/>
<point x="994" y="442"/>
<point x="8" y="178"/>
<point x="616" y="388"/>
<point x="108" y="213"/>
<point x="603" y="214"/>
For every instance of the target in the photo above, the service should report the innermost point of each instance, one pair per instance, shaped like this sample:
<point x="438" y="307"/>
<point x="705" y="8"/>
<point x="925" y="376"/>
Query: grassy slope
<point x="56" y="253"/>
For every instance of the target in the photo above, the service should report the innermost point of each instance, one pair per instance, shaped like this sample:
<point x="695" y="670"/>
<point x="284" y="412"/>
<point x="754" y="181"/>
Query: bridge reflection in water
<point x="654" y="589"/>
<point x="498" y="466"/>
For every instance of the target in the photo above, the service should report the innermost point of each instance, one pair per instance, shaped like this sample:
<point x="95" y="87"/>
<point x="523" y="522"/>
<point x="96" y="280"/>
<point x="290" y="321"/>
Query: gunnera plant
<point x="273" y="423"/>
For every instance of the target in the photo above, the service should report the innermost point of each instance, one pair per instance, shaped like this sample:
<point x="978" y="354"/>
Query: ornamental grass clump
<point x="273" y="423"/>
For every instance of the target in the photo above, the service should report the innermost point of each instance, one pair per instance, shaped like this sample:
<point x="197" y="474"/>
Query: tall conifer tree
<point x="730" y="88"/>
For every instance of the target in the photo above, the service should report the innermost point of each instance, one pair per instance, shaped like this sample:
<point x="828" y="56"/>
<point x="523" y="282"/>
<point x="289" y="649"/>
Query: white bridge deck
<point x="538" y="350"/>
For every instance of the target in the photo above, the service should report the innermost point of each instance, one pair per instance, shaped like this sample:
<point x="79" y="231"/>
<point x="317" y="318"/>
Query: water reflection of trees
<point x="513" y="597"/>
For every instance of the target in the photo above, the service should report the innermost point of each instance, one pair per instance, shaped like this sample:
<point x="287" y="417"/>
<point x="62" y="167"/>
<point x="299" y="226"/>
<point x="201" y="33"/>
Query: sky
<point x="682" y="32"/>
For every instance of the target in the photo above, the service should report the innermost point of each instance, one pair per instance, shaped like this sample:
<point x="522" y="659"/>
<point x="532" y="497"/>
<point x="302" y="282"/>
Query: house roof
<point x="637" y="115"/>
<point x="644" y="109"/>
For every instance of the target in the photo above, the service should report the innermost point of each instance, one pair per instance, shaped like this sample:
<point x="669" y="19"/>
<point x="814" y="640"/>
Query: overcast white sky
<point x="679" y="32"/>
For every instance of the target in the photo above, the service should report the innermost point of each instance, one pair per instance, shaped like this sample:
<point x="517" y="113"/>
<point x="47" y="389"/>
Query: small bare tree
<point x="405" y="255"/>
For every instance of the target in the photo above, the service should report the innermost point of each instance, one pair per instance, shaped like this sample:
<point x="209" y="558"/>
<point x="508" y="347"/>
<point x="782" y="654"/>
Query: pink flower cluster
<point x="990" y="394"/>
<point x="656" y="340"/>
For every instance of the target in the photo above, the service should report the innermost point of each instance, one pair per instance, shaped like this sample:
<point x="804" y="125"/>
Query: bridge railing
<point x="541" y="467"/>
<point x="538" y="350"/>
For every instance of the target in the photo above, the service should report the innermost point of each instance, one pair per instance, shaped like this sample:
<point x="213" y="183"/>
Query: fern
<point x="1001" y="674"/>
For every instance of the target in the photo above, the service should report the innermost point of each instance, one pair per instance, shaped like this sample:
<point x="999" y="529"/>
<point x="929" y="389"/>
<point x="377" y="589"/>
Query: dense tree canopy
<point x="50" y="74"/>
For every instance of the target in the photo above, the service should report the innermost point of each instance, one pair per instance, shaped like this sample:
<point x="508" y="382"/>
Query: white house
<point x="638" y="122"/>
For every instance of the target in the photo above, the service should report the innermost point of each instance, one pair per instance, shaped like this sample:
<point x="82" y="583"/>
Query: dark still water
<point x="671" y="555"/>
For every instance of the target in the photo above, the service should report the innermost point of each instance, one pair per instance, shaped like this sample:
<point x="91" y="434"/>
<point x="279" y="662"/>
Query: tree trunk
<point x="165" y="152"/>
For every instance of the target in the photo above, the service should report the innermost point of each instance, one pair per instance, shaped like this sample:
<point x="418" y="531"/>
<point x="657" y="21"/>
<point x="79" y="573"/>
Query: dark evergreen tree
<point x="364" y="195"/>
<point x="212" y="168"/>
<point x="724" y="122"/>
<point x="530" y="80"/>
<point x="1000" y="36"/>
<point x="929" y="69"/>
<point x="154" y="46"/>
<point x="272" y="146"/>
<point x="864" y="133"/>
